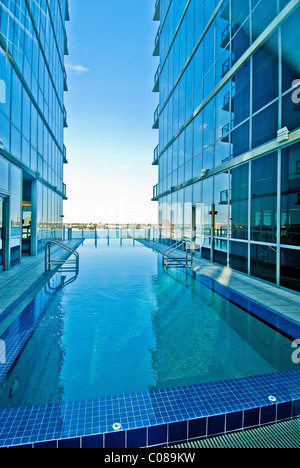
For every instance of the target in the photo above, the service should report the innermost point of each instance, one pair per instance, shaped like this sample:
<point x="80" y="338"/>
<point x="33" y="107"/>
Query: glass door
<point x="197" y="226"/>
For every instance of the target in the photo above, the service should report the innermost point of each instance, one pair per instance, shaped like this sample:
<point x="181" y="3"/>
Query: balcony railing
<point x="156" y="118"/>
<point x="155" y="192"/>
<point x="155" y="156"/>
<point x="157" y="44"/>
<point x="65" y="118"/>
<point x="157" y="11"/>
<point x="65" y="192"/>
<point x="156" y="80"/>
<point x="65" y="155"/>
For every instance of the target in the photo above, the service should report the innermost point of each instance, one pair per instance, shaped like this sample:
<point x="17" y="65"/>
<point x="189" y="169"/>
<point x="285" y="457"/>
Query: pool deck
<point x="281" y="301"/>
<point x="19" y="285"/>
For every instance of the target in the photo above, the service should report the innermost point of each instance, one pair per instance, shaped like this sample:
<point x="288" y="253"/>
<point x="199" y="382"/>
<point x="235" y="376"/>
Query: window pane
<point x="239" y="202"/>
<point x="264" y="199"/>
<point x="240" y="140"/>
<point x="238" y="256"/>
<point x="5" y="84"/>
<point x="290" y="50"/>
<point x="241" y="95"/>
<point x="291" y="110"/>
<point x="265" y="74"/>
<point x="290" y="196"/>
<point x="263" y="262"/>
<point x="265" y="125"/>
<point x="290" y="269"/>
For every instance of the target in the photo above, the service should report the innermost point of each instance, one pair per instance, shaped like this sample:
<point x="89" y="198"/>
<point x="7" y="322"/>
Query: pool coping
<point x="163" y="416"/>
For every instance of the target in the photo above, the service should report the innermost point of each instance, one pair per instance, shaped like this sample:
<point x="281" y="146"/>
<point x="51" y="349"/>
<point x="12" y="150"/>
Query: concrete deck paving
<point x="280" y="300"/>
<point x="20" y="284"/>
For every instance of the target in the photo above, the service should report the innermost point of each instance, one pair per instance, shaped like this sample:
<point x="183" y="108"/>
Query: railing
<point x="177" y="262"/>
<point x="155" y="191"/>
<point x="156" y="118"/>
<point x="49" y="262"/>
<point x="156" y="77"/>
<point x="111" y="233"/>
<point x="156" y="154"/>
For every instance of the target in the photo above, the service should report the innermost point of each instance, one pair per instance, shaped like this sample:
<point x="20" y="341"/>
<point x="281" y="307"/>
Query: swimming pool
<point x="125" y="330"/>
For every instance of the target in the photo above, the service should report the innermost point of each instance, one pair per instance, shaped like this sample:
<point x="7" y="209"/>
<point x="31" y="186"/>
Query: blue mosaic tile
<point x="205" y="409"/>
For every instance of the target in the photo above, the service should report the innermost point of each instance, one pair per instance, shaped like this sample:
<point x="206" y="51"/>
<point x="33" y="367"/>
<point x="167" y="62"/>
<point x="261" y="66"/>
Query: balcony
<point x="65" y="192"/>
<point x="224" y="197"/>
<point x="67" y="13"/>
<point x="225" y="37"/>
<point x="155" y="193"/>
<point x="66" y="49"/>
<point x="65" y="161"/>
<point x="155" y="156"/>
<point x="226" y="67"/>
<point x="156" y="80"/>
<point x="225" y="11"/>
<point x="225" y="133"/>
<point x="229" y="99"/>
<point x="156" y="52"/>
<point x="65" y="118"/>
<point x="157" y="11"/>
<point x="65" y="81"/>
<point x="156" y="118"/>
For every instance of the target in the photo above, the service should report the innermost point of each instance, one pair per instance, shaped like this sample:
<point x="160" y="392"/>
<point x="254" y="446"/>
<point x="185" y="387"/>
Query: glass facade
<point x="33" y="44"/>
<point x="228" y="82"/>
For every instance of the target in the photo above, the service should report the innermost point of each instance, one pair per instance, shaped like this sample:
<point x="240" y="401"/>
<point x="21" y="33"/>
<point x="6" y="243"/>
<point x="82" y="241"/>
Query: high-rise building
<point x="33" y="44"/>
<point x="229" y="138"/>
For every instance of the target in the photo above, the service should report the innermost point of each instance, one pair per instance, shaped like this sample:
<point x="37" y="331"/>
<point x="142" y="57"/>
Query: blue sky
<point x="110" y="108"/>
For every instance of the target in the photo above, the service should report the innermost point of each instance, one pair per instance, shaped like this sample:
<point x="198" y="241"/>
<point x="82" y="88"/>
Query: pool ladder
<point x="74" y="261"/>
<point x="178" y="262"/>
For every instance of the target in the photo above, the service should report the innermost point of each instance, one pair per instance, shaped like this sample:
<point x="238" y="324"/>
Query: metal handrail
<point x="48" y="261"/>
<point x="172" y="249"/>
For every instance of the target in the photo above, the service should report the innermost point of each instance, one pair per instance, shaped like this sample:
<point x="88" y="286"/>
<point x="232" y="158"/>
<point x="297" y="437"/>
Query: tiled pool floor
<point x="166" y="416"/>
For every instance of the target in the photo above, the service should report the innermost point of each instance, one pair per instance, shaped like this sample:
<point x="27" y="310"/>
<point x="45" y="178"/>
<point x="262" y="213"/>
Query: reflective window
<point x="290" y="196"/>
<point x="221" y="200"/>
<point x="3" y="174"/>
<point x="239" y="194"/>
<point x="16" y="100"/>
<point x="291" y="110"/>
<point x="265" y="125"/>
<point x="263" y="262"/>
<point x="265" y="74"/>
<point x="238" y="256"/>
<point x="262" y="15"/>
<point x="290" y="44"/>
<point x="290" y="269"/>
<point x="241" y="94"/>
<point x="264" y="199"/>
<point x="5" y="84"/>
<point x="240" y="140"/>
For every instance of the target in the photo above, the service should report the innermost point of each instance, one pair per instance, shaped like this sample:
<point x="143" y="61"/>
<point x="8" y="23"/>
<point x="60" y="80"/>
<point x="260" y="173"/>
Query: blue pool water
<point x="127" y="326"/>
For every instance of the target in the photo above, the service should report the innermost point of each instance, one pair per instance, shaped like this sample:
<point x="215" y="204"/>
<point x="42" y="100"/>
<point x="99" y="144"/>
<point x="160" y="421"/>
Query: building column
<point x="34" y="230"/>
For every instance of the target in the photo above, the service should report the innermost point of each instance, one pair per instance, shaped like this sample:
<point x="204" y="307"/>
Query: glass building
<point x="33" y="43"/>
<point x="229" y="139"/>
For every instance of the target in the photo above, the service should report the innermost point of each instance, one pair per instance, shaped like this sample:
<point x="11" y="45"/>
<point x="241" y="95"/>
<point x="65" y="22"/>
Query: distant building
<point x="229" y="137"/>
<point x="33" y="44"/>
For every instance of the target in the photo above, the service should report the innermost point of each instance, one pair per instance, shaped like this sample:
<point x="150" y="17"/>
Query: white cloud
<point x="78" y="69"/>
